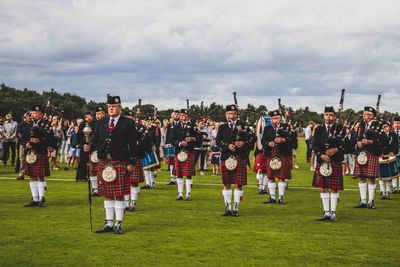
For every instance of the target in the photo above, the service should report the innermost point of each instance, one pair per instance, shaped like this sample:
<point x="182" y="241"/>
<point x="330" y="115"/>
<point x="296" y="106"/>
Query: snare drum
<point x="388" y="168"/>
<point x="150" y="160"/>
<point x="169" y="151"/>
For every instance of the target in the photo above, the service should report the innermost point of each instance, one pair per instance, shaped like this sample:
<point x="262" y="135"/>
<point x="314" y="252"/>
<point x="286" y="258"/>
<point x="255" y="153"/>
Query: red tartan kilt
<point x="259" y="162"/>
<point x="92" y="168"/>
<point x="137" y="176"/>
<point x="237" y="176"/>
<point x="171" y="160"/>
<point x="38" y="169"/>
<point x="284" y="173"/>
<point x="119" y="187"/>
<point x="185" y="168"/>
<point x="369" y="170"/>
<point x="334" y="182"/>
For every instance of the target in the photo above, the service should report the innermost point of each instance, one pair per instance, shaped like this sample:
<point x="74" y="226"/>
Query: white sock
<point x="388" y="187"/>
<point x="272" y="188"/>
<point x="171" y="170"/>
<point x="382" y="187"/>
<point x="109" y="207"/>
<point x="135" y="193"/>
<point x="394" y="181"/>
<point x="41" y="189"/>
<point x="119" y="210"/>
<point x="363" y="192"/>
<point x="189" y="183"/>
<point x="334" y="201"/>
<point x="93" y="180"/>
<point x="259" y="177"/>
<point x="371" y="191"/>
<point x="180" y="184"/>
<point x="34" y="191"/>
<point x="237" y="195"/>
<point x="325" y="202"/>
<point x="281" y="188"/>
<point x="152" y="178"/>
<point x="147" y="177"/>
<point x="126" y="197"/>
<point x="265" y="181"/>
<point x="227" y="197"/>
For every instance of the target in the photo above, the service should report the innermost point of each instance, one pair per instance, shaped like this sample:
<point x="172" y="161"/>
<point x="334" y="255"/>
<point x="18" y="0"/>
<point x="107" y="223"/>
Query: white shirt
<point x="307" y="133"/>
<point x="115" y="120"/>
<point x="10" y="130"/>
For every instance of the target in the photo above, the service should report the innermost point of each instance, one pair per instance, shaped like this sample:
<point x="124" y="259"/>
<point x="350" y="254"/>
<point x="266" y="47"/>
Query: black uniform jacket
<point x="180" y="132"/>
<point x="120" y="144"/>
<point x="374" y="134"/>
<point x="323" y="141"/>
<point x="226" y="136"/>
<point x="270" y="133"/>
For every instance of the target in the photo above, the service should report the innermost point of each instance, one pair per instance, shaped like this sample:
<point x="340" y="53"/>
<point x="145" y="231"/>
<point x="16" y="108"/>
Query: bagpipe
<point x="50" y="112"/>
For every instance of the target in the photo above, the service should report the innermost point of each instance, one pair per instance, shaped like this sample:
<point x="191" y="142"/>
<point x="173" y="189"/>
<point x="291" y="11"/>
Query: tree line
<point x="19" y="101"/>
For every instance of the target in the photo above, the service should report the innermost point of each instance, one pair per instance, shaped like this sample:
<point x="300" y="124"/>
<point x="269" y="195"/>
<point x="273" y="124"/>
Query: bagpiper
<point x="278" y="148"/>
<point x="93" y="158"/>
<point x="174" y="122"/>
<point x="137" y="175"/>
<point x="235" y="143"/>
<point x="396" y="128"/>
<point x="115" y="140"/>
<point x="184" y="138"/>
<point x="369" y="148"/>
<point x="37" y="160"/>
<point x="329" y="150"/>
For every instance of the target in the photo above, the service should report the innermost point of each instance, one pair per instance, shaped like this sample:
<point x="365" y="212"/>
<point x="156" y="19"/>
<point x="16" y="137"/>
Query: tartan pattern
<point x="285" y="172"/>
<point x="171" y="160"/>
<point x="259" y="163"/>
<point x="119" y="187"/>
<point x="92" y="168"/>
<point x="137" y="176"/>
<point x="334" y="181"/>
<point x="237" y="176"/>
<point x="370" y="169"/>
<point x="38" y="169"/>
<point x="185" y="168"/>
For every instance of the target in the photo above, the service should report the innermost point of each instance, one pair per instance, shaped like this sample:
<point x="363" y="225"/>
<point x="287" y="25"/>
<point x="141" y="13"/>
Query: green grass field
<point x="166" y="232"/>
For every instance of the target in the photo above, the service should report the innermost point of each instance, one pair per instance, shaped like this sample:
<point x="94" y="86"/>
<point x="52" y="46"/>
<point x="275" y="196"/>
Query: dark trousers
<point x="309" y="150"/>
<point x="82" y="170"/>
<point x="7" y="147"/>
<point x="202" y="159"/>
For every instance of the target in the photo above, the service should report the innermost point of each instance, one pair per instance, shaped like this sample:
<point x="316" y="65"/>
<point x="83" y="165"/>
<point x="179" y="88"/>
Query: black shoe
<point x="20" y="178"/>
<point x="388" y="197"/>
<point x="324" y="218"/>
<point x="105" y="229"/>
<point x="360" y="205"/>
<point x="179" y="198"/>
<point x="95" y="194"/>
<point x="333" y="217"/>
<point x="382" y="196"/>
<point x="188" y="198"/>
<point x="281" y="201"/>
<point x="228" y="211"/>
<point x="32" y="204"/>
<point x="131" y="208"/>
<point x="235" y="213"/>
<point x="171" y="183"/>
<point x="395" y="191"/>
<point x="270" y="201"/>
<point x="41" y="202"/>
<point x="145" y="187"/>
<point x="371" y="204"/>
<point x="66" y="169"/>
<point x="118" y="228"/>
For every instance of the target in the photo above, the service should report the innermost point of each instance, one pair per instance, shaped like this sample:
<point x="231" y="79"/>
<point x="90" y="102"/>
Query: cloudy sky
<point x="169" y="50"/>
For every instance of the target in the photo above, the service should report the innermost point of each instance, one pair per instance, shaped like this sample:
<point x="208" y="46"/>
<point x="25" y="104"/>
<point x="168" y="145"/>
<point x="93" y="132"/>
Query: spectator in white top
<point x="10" y="142"/>
<point x="307" y="135"/>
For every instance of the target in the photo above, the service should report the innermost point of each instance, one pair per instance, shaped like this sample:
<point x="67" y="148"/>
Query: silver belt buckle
<point x="108" y="156"/>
